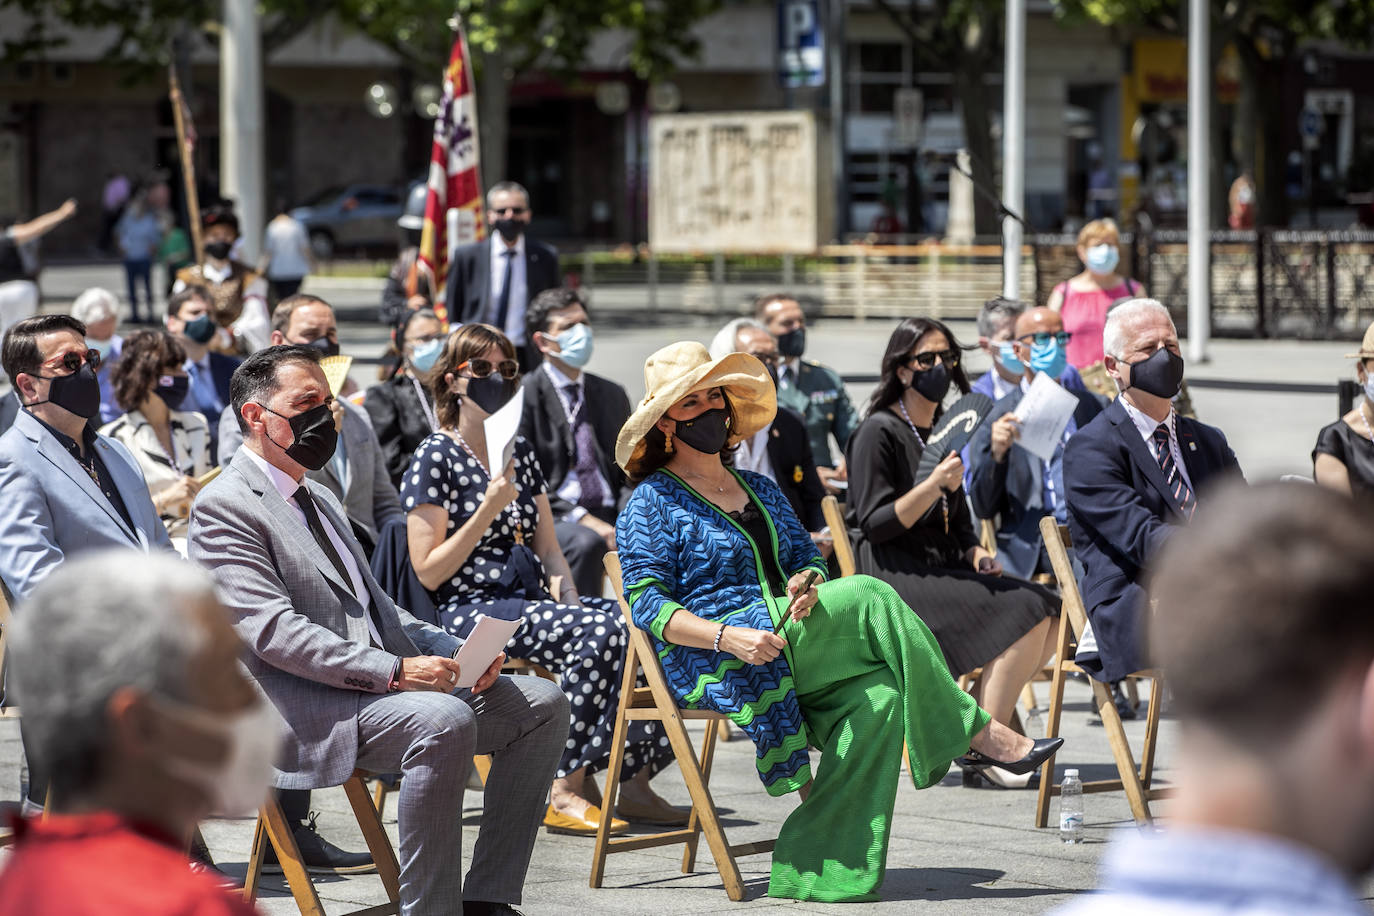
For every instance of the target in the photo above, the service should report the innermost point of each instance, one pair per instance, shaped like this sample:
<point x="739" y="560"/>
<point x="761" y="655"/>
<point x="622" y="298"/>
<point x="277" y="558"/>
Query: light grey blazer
<point x="306" y="632"/>
<point x="50" y="508"/>
<point x="370" y="498"/>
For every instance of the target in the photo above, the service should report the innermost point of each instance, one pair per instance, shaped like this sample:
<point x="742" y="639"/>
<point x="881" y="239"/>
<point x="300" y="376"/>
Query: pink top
<point x="1084" y="316"/>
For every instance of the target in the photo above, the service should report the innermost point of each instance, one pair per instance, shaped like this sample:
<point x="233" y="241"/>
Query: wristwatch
<point x="394" y="684"/>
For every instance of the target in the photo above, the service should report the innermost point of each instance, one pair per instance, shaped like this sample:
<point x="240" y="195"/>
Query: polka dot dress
<point x="584" y="644"/>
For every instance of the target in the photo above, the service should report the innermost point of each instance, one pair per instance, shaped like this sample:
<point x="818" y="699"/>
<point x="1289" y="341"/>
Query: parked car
<point x="361" y="216"/>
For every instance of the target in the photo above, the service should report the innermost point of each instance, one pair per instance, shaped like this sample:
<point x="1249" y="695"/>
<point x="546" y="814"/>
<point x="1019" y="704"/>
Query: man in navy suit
<point x="996" y="338"/>
<point x="494" y="280"/>
<point x="1009" y="482"/>
<point x="191" y="320"/>
<point x="66" y="490"/>
<point x="1131" y="476"/>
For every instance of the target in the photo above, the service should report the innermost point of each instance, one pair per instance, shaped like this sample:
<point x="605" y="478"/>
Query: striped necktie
<point x="1177" y="485"/>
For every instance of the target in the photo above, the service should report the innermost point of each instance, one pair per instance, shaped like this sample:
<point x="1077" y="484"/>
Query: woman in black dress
<point x="919" y="536"/>
<point x="483" y="540"/>
<point x="402" y="407"/>
<point x="1344" y="457"/>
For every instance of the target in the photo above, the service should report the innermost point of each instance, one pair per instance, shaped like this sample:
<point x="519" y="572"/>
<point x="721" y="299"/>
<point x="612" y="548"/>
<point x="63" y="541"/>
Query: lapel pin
<point x="1192" y="446"/>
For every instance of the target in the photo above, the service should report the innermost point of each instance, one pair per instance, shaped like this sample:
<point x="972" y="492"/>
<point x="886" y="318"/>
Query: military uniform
<point x="239" y="305"/>
<point x="818" y="394"/>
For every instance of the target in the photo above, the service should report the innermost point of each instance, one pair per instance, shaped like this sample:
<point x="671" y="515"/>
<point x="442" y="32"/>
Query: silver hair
<point x="997" y="312"/>
<point x="95" y="305"/>
<point x="1123" y="314"/>
<point x="113" y="619"/>
<point x="726" y="340"/>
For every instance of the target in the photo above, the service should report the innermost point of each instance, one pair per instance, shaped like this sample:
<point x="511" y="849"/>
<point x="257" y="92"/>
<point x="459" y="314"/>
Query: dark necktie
<point x="503" y="298"/>
<point x="584" y="459"/>
<point x="1177" y="485"/>
<point x="316" y="526"/>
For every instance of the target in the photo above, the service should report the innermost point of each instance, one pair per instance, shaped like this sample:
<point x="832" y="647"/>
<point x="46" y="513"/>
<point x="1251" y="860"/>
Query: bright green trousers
<point x="868" y="674"/>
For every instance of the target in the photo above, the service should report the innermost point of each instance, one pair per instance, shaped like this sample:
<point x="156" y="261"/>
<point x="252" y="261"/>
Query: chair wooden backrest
<point x="844" y="549"/>
<point x="655" y="702"/>
<point x="1073" y="623"/>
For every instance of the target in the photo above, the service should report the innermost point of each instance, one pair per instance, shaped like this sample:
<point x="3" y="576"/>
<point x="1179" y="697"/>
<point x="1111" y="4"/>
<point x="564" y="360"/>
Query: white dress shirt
<point x="571" y="490"/>
<point x="519" y="289"/>
<point x="753" y="454"/>
<point x="287" y="487"/>
<point x="1147" y="427"/>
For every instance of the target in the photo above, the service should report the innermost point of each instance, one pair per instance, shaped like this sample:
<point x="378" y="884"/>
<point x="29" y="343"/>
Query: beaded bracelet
<point x="715" y="646"/>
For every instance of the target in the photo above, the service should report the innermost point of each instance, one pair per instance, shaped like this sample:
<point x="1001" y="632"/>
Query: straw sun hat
<point x="681" y="368"/>
<point x="1366" y="346"/>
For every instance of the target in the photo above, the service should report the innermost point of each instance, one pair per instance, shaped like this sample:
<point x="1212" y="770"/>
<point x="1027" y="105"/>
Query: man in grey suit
<point x="64" y="490"/>
<point x="356" y="474"/>
<point x="360" y="682"/>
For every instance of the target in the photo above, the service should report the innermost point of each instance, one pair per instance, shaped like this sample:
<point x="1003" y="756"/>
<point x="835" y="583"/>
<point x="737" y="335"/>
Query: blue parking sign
<point x="801" y="44"/>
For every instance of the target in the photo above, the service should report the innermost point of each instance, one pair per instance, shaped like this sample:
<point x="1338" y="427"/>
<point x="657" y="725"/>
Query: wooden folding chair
<point x="273" y="828"/>
<point x="1135" y="782"/>
<point x="655" y="703"/>
<point x="844" y="549"/>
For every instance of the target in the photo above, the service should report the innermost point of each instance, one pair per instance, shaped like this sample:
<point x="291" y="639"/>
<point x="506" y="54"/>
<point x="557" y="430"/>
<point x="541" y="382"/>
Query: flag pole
<point x="188" y="169"/>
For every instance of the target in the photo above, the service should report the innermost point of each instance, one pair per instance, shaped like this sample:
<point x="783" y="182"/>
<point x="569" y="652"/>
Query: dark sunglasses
<point x="510" y="211"/>
<point x="927" y="360"/>
<point x="481" y="368"/>
<point x="1040" y="338"/>
<point x="72" y="360"/>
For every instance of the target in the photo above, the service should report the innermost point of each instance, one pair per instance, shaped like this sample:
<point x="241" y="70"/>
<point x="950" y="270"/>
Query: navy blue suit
<point x="222" y="369"/>
<point x="1121" y="511"/>
<point x="1015" y="488"/>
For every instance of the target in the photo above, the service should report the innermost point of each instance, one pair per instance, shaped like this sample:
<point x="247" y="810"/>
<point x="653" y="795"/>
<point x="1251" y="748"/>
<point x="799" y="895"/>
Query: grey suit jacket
<point x="305" y="630"/>
<point x="51" y="509"/>
<point x="370" y="499"/>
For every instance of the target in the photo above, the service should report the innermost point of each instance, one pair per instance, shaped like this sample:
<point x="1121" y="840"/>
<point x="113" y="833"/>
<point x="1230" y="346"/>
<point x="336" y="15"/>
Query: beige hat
<point x="681" y="368"/>
<point x="1366" y="346"/>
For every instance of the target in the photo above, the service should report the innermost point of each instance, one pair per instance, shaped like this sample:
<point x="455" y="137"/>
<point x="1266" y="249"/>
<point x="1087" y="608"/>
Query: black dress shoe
<point x="1040" y="751"/>
<point x="486" y="908"/>
<point x="1124" y="707"/>
<point x="320" y="856"/>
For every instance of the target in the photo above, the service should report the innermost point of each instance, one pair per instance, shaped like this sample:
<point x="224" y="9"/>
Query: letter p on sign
<point x="799" y="20"/>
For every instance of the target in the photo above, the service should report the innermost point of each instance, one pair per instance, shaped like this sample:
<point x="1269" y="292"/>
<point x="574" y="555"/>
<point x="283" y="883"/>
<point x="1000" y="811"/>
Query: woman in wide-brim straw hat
<point x="714" y="560"/>
<point x="1344" y="456"/>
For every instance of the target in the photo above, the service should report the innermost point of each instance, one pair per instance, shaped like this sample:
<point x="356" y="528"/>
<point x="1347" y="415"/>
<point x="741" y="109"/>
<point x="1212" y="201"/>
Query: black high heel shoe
<point x="1040" y="751"/>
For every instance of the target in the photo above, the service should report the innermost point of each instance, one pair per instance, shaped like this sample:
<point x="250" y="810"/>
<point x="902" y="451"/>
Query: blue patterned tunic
<point x="677" y="550"/>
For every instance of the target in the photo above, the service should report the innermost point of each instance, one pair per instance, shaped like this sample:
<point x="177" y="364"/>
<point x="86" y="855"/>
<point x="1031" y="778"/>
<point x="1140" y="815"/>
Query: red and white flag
<point x="455" y="174"/>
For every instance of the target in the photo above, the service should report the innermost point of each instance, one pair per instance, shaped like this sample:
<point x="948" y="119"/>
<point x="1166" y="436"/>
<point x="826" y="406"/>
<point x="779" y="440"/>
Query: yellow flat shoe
<point x="557" y="822"/>
<point x="656" y="812"/>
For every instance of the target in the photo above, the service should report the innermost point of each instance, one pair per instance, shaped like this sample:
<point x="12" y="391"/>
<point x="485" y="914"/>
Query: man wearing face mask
<point x="572" y="417"/>
<point x="238" y="293"/>
<point x="1009" y="482"/>
<point x="494" y="280"/>
<point x="66" y="489"/>
<point x="160" y="730"/>
<point x="361" y="682"/>
<point x="813" y="390"/>
<point x="189" y="319"/>
<point x="997" y="339"/>
<point x="1133" y="475"/>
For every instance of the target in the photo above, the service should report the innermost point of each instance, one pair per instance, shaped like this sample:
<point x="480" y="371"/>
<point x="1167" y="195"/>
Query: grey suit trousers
<point x="430" y="739"/>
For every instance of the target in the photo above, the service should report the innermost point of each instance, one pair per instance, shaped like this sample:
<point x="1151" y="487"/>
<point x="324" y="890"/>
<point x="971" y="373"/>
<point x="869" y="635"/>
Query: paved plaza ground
<point x="953" y="849"/>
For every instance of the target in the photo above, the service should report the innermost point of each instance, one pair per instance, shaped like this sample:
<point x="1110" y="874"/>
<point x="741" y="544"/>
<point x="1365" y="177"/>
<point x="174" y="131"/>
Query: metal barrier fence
<point x="1265" y="283"/>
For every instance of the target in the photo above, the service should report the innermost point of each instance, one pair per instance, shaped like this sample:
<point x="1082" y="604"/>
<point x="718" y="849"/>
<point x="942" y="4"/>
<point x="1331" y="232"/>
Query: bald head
<point x="1038" y="320"/>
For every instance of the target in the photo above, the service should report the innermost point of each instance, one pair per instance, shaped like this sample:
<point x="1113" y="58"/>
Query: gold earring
<point x="668" y="443"/>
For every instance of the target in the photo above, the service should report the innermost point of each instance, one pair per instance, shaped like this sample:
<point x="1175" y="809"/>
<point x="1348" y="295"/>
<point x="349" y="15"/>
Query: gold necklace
<point x="719" y="488"/>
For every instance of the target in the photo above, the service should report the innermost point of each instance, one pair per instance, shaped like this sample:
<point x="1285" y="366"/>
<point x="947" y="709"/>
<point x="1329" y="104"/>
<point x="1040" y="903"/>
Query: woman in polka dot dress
<point x="486" y="545"/>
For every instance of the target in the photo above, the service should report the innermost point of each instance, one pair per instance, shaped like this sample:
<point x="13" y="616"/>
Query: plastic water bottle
<point x="1071" y="808"/>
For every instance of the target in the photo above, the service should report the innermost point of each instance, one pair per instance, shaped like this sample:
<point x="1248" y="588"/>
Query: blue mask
<point x="1049" y="358"/>
<point x="1103" y="258"/>
<point x="1007" y="357"/>
<point x="101" y="346"/>
<point x="425" y="354"/>
<point x="575" y="345"/>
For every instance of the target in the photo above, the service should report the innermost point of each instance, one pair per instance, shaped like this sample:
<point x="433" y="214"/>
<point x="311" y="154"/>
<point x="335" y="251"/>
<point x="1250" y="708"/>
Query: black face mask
<point x="510" y="229"/>
<point x="201" y="329"/>
<point x="314" y="437"/>
<point x="326" y="346"/>
<point x="1160" y="375"/>
<point x="174" y="392"/>
<point x="706" y="432"/>
<point x="78" y="393"/>
<point x="218" y="250"/>
<point x="932" y="384"/>
<point x="793" y="343"/>
<point x="493" y="392"/>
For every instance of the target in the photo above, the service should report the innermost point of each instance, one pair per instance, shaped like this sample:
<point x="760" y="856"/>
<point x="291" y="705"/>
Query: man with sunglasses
<point x="494" y="280"/>
<point x="1009" y="482"/>
<point x="66" y="490"/>
<point x="996" y="338"/>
